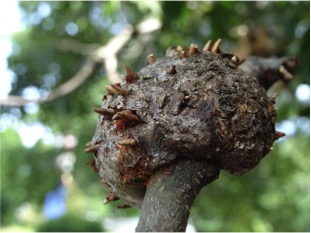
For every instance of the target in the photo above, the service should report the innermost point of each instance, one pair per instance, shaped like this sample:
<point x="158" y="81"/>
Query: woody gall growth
<point x="170" y="128"/>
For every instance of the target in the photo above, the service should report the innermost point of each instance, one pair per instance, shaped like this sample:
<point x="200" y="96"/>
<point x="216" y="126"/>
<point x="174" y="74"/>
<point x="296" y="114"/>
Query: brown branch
<point x="110" y="49"/>
<point x="14" y="100"/>
<point x="106" y="54"/>
<point x="83" y="74"/>
<point x="270" y="70"/>
<point x="75" y="46"/>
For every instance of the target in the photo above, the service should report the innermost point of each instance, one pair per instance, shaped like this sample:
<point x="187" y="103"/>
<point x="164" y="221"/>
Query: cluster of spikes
<point x="194" y="49"/>
<point x="129" y="117"/>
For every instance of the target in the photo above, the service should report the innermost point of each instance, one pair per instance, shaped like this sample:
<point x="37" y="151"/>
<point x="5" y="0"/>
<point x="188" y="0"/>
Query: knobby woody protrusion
<point x="278" y="135"/>
<point x="126" y="115"/>
<point x="110" y="90"/>
<point x="287" y="75"/>
<point x="193" y="49"/>
<point x="89" y="144"/>
<point x="131" y="76"/>
<point x="235" y="60"/>
<point x="151" y="59"/>
<point x="105" y="111"/>
<point x="117" y="87"/>
<point x="110" y="197"/>
<point x="207" y="46"/>
<point x="92" y="149"/>
<point x="179" y="48"/>
<point x="215" y="48"/>
<point x="171" y="70"/>
<point x="183" y="54"/>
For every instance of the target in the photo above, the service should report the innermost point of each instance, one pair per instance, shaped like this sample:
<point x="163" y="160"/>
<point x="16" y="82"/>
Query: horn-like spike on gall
<point x="151" y="59"/>
<point x="215" y="48"/>
<point x="172" y="70"/>
<point x="110" y="197"/>
<point x="287" y="75"/>
<point x="278" y="135"/>
<point x="126" y="115"/>
<point x="110" y="90"/>
<point x="119" y="89"/>
<point x="179" y="48"/>
<point x="92" y="149"/>
<point x="105" y="111"/>
<point x="131" y="76"/>
<point x="193" y="49"/>
<point x="235" y="60"/>
<point x="183" y="54"/>
<point x="207" y="46"/>
<point x="89" y="144"/>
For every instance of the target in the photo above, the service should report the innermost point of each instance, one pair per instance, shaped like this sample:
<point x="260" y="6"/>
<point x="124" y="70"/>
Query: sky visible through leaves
<point x="42" y="145"/>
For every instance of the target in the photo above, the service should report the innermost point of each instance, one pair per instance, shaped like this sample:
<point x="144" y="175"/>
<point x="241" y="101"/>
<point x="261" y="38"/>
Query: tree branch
<point x="83" y="74"/>
<point x="270" y="70"/>
<point x="170" y="194"/>
<point x="75" y="46"/>
<point x="106" y="55"/>
<point x="98" y="56"/>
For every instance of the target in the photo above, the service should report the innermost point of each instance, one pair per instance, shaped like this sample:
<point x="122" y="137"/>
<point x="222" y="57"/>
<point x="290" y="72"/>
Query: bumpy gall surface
<point x="194" y="105"/>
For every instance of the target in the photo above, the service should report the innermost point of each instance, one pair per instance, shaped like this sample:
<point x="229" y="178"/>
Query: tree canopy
<point x="70" y="50"/>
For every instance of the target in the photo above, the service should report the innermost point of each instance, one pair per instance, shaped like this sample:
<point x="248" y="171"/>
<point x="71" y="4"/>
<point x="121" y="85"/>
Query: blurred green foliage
<point x="272" y="197"/>
<point x="69" y="223"/>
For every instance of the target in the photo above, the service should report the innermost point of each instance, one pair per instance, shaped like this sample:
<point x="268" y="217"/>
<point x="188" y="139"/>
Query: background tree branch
<point x="97" y="55"/>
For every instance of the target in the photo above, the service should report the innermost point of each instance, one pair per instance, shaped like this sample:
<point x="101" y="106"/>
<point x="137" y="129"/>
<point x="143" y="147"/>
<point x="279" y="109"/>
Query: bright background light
<point x="10" y="17"/>
<point x="10" y="22"/>
<point x="303" y="93"/>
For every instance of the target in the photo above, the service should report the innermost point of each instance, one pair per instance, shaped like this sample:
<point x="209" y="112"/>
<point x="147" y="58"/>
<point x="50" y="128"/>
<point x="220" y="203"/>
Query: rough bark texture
<point x="172" y="126"/>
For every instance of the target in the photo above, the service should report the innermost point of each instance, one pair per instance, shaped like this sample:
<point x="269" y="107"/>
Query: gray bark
<point x="170" y="194"/>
